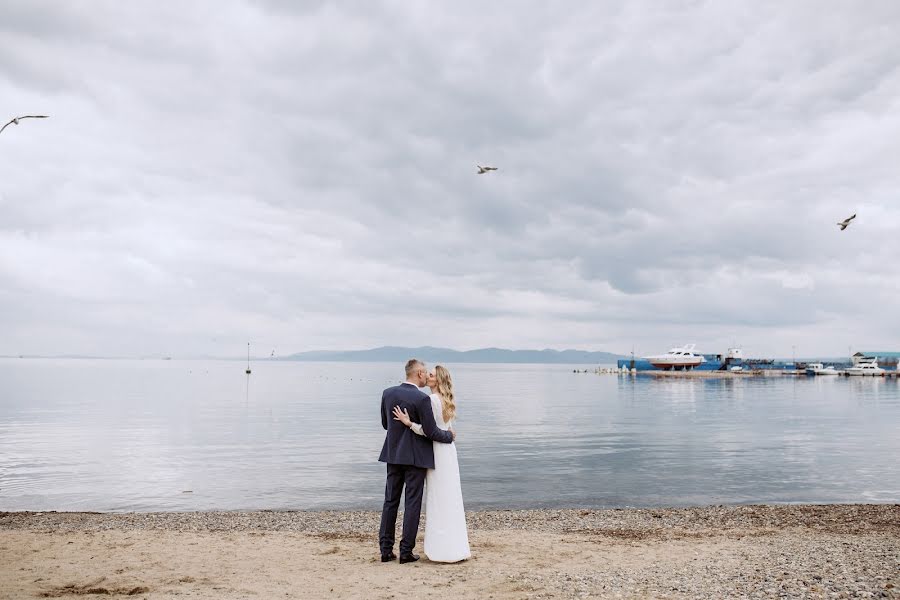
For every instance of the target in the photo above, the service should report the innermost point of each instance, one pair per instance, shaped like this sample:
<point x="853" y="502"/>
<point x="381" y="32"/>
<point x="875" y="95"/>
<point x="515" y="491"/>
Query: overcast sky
<point x="304" y="178"/>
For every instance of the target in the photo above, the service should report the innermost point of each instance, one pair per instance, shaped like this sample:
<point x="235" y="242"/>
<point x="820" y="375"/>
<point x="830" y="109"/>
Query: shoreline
<point x="722" y="516"/>
<point x="816" y="551"/>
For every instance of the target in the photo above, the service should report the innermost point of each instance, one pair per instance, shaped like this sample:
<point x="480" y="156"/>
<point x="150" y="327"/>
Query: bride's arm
<point x="403" y="417"/>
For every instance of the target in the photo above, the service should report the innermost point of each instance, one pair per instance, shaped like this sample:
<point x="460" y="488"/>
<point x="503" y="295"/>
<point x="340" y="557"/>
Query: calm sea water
<point x="116" y="435"/>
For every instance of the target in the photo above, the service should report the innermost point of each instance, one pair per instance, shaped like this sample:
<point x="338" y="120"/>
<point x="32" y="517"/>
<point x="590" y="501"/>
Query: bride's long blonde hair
<point x="445" y="391"/>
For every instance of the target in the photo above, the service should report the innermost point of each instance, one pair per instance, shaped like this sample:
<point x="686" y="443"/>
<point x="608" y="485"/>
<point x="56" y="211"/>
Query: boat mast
<point x="248" y="358"/>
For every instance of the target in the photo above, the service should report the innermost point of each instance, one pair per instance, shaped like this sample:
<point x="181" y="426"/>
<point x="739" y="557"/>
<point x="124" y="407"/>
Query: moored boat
<point x="866" y="366"/>
<point x="679" y="359"/>
<point x="820" y="369"/>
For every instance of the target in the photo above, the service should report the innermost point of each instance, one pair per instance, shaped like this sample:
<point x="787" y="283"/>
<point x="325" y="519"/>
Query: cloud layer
<point x="305" y="177"/>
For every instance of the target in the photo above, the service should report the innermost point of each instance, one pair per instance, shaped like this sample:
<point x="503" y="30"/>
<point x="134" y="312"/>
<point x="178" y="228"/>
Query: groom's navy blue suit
<point x="407" y="456"/>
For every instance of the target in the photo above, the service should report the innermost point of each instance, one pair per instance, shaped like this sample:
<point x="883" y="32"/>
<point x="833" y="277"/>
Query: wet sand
<point x="833" y="551"/>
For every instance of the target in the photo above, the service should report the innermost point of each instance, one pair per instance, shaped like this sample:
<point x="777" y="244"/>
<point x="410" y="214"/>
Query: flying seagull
<point x="483" y="170"/>
<point x="16" y="120"/>
<point x="843" y="224"/>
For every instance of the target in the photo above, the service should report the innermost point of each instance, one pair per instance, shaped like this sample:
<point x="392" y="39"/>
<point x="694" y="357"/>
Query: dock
<point x="685" y="363"/>
<point x="738" y="374"/>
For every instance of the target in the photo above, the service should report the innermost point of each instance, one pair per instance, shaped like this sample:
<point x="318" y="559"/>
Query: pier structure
<point x="734" y="364"/>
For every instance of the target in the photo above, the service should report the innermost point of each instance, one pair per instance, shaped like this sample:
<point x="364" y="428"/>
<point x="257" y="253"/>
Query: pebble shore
<point x="624" y="523"/>
<point x="759" y="551"/>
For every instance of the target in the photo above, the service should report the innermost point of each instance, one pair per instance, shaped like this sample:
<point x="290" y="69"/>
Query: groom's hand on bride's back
<point x="453" y="433"/>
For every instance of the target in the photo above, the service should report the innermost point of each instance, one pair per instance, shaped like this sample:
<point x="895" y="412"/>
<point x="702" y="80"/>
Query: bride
<point x="446" y="537"/>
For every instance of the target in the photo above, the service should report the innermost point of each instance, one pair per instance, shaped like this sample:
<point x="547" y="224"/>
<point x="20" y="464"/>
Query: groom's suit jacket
<point x="401" y="445"/>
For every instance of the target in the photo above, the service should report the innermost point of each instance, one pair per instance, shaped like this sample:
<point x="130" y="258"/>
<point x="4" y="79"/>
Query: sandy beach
<point x="833" y="551"/>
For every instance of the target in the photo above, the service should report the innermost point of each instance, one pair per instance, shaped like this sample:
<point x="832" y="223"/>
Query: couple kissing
<point x="420" y="453"/>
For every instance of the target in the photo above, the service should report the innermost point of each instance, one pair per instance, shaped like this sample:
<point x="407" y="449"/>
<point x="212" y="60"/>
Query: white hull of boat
<point x="660" y="364"/>
<point x="856" y="371"/>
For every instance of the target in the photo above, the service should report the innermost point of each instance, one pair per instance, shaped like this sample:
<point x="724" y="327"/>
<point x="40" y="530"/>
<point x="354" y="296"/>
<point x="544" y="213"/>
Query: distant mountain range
<point x="482" y="355"/>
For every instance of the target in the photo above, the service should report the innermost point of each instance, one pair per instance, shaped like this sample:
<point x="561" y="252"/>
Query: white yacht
<point x="820" y="369"/>
<point x="677" y="358"/>
<point x="866" y="366"/>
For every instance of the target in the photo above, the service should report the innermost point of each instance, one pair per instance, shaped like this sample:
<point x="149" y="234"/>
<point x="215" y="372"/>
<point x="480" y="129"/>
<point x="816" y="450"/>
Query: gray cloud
<point x="303" y="176"/>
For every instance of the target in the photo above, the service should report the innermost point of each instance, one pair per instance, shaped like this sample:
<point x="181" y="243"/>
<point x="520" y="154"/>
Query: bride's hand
<point x="402" y="416"/>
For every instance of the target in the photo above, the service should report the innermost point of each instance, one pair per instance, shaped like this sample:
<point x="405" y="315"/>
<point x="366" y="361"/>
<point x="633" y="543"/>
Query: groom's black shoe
<point x="388" y="557"/>
<point x="408" y="558"/>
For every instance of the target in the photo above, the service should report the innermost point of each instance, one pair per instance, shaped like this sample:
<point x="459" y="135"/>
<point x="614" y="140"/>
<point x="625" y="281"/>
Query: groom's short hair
<point x="411" y="366"/>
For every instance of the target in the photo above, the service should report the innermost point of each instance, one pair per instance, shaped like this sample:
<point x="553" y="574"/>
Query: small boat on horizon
<point x="683" y="358"/>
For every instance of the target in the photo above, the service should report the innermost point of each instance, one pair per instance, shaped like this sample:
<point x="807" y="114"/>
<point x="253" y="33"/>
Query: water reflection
<point x="133" y="435"/>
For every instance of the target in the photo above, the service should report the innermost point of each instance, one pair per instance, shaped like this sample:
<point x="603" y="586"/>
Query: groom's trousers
<point x="414" y="479"/>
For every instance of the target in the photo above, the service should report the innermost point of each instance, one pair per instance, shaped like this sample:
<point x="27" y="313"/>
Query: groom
<point x="407" y="456"/>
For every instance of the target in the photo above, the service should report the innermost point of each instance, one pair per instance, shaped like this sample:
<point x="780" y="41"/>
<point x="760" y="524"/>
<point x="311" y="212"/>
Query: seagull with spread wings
<point x="843" y="224"/>
<point x="15" y="120"/>
<point x="483" y="170"/>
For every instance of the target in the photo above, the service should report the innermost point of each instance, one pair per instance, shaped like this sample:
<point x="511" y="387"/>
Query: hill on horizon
<point x="482" y="355"/>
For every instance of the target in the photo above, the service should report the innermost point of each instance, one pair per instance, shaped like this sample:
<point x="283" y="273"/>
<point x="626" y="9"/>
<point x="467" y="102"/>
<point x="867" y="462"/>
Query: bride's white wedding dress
<point x="446" y="536"/>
